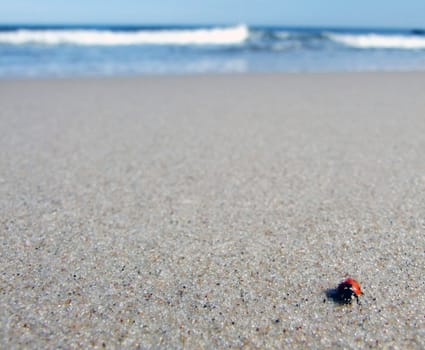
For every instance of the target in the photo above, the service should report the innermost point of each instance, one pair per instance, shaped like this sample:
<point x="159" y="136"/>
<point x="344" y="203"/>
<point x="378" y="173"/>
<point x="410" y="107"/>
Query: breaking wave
<point x="273" y="39"/>
<point x="210" y="36"/>
<point x="378" y="41"/>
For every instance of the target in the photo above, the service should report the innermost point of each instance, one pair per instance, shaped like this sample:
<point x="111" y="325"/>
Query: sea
<point x="86" y="50"/>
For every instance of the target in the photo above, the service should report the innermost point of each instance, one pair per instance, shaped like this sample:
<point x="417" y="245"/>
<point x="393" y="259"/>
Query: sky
<point x="331" y="13"/>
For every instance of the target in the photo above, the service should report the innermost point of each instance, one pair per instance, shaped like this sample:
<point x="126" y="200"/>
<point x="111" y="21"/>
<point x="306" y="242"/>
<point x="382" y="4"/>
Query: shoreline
<point x="212" y="75"/>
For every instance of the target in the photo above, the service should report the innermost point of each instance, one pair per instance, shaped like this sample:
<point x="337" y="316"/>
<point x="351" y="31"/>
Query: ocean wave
<point x="211" y="36"/>
<point x="237" y="37"/>
<point x="379" y="41"/>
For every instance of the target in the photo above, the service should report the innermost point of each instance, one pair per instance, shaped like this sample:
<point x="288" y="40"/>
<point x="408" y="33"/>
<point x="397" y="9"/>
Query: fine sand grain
<point x="212" y="211"/>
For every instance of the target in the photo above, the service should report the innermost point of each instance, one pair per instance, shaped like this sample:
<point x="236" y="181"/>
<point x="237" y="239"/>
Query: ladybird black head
<point x="345" y="294"/>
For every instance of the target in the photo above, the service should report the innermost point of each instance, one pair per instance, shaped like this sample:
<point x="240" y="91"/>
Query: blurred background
<point x="57" y="38"/>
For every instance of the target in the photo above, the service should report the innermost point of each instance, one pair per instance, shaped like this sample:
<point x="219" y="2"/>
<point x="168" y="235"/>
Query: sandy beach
<point x="206" y="212"/>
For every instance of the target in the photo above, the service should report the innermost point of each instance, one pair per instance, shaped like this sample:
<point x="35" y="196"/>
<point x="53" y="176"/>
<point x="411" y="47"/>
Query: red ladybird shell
<point x="355" y="286"/>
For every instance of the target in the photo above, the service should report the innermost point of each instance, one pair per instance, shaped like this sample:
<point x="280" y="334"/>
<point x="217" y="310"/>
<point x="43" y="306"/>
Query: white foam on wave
<point x="376" y="41"/>
<point x="213" y="36"/>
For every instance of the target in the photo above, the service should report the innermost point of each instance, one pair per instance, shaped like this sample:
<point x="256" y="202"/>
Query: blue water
<point x="63" y="51"/>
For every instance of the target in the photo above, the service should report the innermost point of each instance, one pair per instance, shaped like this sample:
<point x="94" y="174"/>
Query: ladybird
<point x="347" y="290"/>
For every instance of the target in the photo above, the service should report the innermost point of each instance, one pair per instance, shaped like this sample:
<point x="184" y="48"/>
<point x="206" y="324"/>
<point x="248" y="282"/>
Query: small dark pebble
<point x="276" y="321"/>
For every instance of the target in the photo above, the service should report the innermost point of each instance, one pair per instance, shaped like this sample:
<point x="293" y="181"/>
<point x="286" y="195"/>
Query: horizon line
<point x="181" y="24"/>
